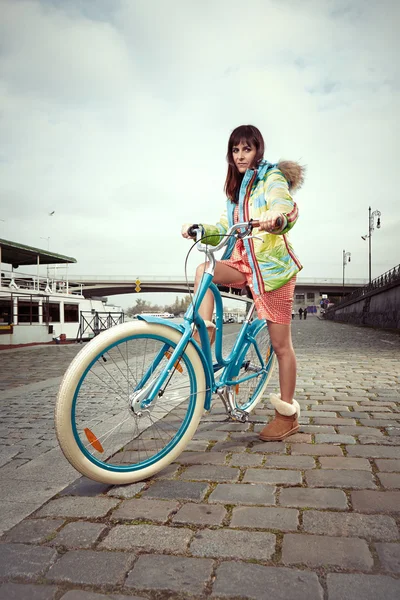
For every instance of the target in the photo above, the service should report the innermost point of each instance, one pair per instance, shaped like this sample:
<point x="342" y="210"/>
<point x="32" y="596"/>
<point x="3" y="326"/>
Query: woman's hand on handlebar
<point x="270" y="220"/>
<point x="184" y="231"/>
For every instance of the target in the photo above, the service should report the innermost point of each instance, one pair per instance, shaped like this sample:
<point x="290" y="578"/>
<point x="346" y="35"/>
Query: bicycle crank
<point x="228" y="398"/>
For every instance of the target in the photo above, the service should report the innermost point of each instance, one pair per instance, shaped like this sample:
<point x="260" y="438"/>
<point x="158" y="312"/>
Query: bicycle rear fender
<point x="181" y="329"/>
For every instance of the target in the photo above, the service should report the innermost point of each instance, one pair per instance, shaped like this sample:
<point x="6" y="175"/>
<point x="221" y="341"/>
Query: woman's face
<point x="243" y="156"/>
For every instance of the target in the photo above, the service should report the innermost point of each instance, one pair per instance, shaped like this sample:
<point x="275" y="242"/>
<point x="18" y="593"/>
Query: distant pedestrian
<point x="305" y="313"/>
<point x="292" y="313"/>
<point x="300" y="313"/>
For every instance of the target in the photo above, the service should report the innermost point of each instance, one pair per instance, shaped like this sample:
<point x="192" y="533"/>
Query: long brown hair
<point x="247" y="134"/>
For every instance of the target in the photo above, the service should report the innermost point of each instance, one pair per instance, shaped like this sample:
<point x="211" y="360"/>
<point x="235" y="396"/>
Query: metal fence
<point x="92" y="323"/>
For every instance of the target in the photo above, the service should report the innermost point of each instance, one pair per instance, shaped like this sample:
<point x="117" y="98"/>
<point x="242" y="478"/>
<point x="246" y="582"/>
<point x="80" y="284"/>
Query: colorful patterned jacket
<point x="272" y="258"/>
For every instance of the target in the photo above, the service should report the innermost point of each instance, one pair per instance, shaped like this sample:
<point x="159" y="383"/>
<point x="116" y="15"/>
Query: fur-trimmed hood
<point x="293" y="172"/>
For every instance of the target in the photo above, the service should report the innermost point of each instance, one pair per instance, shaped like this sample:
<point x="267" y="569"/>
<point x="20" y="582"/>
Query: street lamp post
<point x="371" y="222"/>
<point x="346" y="258"/>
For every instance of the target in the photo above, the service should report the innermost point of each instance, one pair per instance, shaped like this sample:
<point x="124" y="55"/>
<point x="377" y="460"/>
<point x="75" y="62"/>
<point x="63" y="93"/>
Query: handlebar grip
<point x="256" y="222"/>
<point x="192" y="230"/>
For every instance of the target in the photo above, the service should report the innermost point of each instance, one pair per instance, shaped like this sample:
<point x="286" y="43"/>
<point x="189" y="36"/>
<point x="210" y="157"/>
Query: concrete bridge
<point x="106" y="285"/>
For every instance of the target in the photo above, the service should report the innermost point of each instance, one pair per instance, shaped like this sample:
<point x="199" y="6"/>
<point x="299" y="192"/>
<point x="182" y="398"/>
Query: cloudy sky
<point x="115" y="114"/>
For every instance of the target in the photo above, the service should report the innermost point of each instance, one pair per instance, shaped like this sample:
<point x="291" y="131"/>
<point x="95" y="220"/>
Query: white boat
<point x="37" y="308"/>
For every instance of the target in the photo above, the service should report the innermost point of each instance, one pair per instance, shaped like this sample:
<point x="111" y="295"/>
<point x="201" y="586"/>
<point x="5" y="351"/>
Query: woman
<point x="256" y="189"/>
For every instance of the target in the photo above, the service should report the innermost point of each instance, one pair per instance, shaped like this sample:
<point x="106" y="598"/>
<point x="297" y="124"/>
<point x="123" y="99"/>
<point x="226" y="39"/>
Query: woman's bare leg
<point x="224" y="274"/>
<point x="281" y="340"/>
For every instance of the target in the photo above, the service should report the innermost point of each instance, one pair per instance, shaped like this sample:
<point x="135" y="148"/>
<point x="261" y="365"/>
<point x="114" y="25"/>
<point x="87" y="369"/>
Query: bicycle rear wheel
<point x="255" y="370"/>
<point x="100" y="433"/>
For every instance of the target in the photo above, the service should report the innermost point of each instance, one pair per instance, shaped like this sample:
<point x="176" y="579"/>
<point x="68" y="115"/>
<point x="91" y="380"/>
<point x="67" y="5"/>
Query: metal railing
<point x="387" y="278"/>
<point x="92" y="323"/>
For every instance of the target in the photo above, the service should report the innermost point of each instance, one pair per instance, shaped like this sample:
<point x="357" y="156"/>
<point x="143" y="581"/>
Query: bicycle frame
<point x="192" y="318"/>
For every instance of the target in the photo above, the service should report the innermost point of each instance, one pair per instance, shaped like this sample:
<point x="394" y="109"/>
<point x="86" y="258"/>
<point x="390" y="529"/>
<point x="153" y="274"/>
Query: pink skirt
<point x="275" y="306"/>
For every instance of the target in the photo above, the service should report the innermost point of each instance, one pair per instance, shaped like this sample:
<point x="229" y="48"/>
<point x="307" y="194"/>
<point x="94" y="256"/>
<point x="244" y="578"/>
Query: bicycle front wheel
<point x="254" y="370"/>
<point x="103" y="433"/>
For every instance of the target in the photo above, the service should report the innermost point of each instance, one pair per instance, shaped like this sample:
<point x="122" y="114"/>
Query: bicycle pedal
<point x="239" y="416"/>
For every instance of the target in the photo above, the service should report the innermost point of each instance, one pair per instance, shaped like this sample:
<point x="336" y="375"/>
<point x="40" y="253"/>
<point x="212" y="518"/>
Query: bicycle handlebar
<point x="196" y="231"/>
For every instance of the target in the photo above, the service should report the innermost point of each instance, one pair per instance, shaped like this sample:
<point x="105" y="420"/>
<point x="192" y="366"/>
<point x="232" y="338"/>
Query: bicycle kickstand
<point x="228" y="398"/>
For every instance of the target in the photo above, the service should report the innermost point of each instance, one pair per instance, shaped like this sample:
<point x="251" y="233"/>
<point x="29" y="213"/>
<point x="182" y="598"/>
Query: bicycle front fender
<point x="181" y="328"/>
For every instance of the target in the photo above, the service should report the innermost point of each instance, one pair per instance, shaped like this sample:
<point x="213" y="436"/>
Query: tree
<point x="140" y="306"/>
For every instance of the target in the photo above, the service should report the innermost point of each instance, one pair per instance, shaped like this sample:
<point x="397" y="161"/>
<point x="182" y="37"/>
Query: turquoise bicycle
<point x="132" y="398"/>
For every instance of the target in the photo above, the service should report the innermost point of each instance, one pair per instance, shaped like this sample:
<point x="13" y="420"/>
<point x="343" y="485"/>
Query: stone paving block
<point x="319" y="551"/>
<point x="77" y="506"/>
<point x="362" y="587"/>
<point x="126" y="491"/>
<point x="389" y="465"/>
<point x="340" y="479"/>
<point x="20" y="560"/>
<point x="243" y="493"/>
<point x="273" y="476"/>
<point x="229" y="543"/>
<point x="344" y="462"/>
<point x="373" y="408"/>
<point x="300" y="438"/>
<point x="385" y="441"/>
<point x="245" y="459"/>
<point x="200" y="514"/>
<point x="170" y="574"/>
<point x="230" y="446"/>
<point x="373" y="451"/>
<point x="32" y="531"/>
<point x="87" y="567"/>
<point x="329" y="438"/>
<point x="317" y="428"/>
<point x="6" y="454"/>
<point x="210" y="435"/>
<point x="390" y="480"/>
<point x="374" y="527"/>
<point x="332" y="407"/>
<point x="268" y="447"/>
<point x="256" y="582"/>
<point x="317" y="413"/>
<point x="82" y="595"/>
<point x="254" y="517"/>
<point x="210" y="473"/>
<point x="20" y="491"/>
<point x="378" y="422"/>
<point x="176" y="490"/>
<point x="289" y="462"/>
<point x="334" y="421"/>
<point x="393" y="431"/>
<point x="197" y="445"/>
<point x="315" y="498"/>
<point x="389" y="556"/>
<point x="144" y="508"/>
<point x="359" y="430"/>
<point x="317" y="450"/>
<point x="201" y="458"/>
<point x="376" y="502"/>
<point x="85" y="487"/>
<point x="78" y="534"/>
<point x="390" y="416"/>
<point x="150" y="538"/>
<point x="23" y="591"/>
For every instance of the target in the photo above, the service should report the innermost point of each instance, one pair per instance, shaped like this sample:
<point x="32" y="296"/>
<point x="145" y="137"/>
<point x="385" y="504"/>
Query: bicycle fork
<point x="227" y="396"/>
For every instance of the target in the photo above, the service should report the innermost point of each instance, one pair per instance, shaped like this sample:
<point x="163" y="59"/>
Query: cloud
<point x="117" y="115"/>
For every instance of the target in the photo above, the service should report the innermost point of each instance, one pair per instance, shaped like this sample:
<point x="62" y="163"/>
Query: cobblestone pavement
<point x="315" y="517"/>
